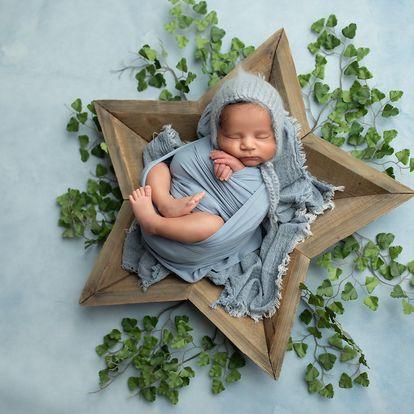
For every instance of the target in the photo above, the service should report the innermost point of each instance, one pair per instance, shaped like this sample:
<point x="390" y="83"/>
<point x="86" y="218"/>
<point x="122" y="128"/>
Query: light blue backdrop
<point x="52" y="52"/>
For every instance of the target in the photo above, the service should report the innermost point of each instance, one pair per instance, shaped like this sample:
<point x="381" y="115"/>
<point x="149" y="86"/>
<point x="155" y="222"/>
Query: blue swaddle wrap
<point x="265" y="217"/>
<point x="242" y="202"/>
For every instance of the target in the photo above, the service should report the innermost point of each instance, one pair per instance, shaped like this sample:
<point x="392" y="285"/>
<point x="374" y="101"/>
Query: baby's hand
<point x="225" y="164"/>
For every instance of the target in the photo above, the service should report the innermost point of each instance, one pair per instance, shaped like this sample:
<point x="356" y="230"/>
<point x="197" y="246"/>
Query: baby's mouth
<point x="250" y="158"/>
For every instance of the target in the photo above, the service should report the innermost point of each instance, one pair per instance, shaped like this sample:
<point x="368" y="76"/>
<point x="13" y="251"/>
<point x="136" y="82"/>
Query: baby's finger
<point x="229" y="175"/>
<point x="225" y="172"/>
<point x="220" y="169"/>
<point x="221" y="161"/>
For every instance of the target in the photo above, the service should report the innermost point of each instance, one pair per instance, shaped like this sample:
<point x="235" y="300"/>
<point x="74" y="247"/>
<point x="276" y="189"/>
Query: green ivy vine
<point x="153" y="354"/>
<point x="90" y="214"/>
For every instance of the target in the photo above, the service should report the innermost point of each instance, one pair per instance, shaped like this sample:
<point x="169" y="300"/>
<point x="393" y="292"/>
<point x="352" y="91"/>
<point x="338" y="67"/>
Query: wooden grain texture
<point x="125" y="147"/>
<point x="109" y="284"/>
<point x="129" y="124"/>
<point x="327" y="162"/>
<point x="148" y="116"/>
<point x="348" y="216"/>
<point x="279" y="326"/>
<point x="244" y="332"/>
<point x="283" y="76"/>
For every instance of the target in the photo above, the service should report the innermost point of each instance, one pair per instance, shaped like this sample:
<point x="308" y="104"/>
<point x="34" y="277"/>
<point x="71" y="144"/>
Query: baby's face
<point x="246" y="131"/>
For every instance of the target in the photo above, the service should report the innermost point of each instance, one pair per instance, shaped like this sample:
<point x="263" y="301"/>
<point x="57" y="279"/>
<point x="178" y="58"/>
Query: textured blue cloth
<point x="242" y="202"/>
<point x="249" y="254"/>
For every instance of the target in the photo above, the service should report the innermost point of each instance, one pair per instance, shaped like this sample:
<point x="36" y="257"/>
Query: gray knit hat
<point x="246" y="86"/>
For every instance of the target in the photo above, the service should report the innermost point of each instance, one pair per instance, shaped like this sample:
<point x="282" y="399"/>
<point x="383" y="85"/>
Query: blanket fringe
<point x="238" y="308"/>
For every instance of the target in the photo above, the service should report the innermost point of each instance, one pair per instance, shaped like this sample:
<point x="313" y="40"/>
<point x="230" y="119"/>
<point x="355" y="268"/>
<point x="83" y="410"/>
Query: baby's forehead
<point x="245" y="113"/>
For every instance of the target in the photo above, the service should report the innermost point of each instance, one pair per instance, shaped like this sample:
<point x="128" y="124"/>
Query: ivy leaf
<point x="371" y="250"/>
<point x="336" y="341"/>
<point x="313" y="47"/>
<point x="384" y="240"/>
<point x="349" y="292"/>
<point x="181" y="40"/>
<point x="362" y="52"/>
<point x="207" y="343"/>
<point x="184" y="21"/>
<point x="203" y="359"/>
<point x="396" y="269"/>
<point x="362" y="379"/>
<point x="408" y="308"/>
<point x="216" y="34"/>
<point x="306" y="316"/>
<point x="82" y="117"/>
<point x="336" y="307"/>
<point x="327" y="391"/>
<point x="84" y="154"/>
<point x="352" y="69"/>
<point x="149" y="322"/>
<point x="327" y="360"/>
<point x="103" y="377"/>
<point x="236" y="360"/>
<point x="403" y="156"/>
<point x="364" y="73"/>
<point x="395" y="95"/>
<point x="165" y="95"/>
<point x="221" y="358"/>
<point x="148" y="53"/>
<point x="389" y="110"/>
<point x="101" y="170"/>
<point x="182" y="65"/>
<point x="371" y="282"/>
<point x="236" y="44"/>
<point x="325" y="289"/>
<point x="321" y="92"/>
<point x="311" y="373"/>
<point x="167" y="336"/>
<point x="233" y="376"/>
<point x="347" y="354"/>
<point x="83" y="140"/>
<point x="201" y="7"/>
<point x="314" y="331"/>
<point x="398" y="292"/>
<point x="300" y="348"/>
<point x="328" y="40"/>
<point x="371" y="302"/>
<point x="395" y="251"/>
<point x="332" y="21"/>
<point x="77" y="105"/>
<point x="148" y="393"/>
<point x="345" y="381"/>
<point x="376" y="95"/>
<point x="304" y="79"/>
<point x="389" y="135"/>
<point x="217" y="386"/>
<point x="315" y="386"/>
<point x="349" y="31"/>
<point x="157" y="81"/>
<point x="350" y="245"/>
<point x="318" y="25"/>
<point x="334" y="273"/>
<point x="72" y="125"/>
<point x="350" y="51"/>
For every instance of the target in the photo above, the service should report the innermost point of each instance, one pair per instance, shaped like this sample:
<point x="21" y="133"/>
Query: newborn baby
<point x="245" y="138"/>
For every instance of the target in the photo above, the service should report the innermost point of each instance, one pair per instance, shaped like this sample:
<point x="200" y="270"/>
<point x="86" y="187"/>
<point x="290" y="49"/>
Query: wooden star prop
<point x="128" y="125"/>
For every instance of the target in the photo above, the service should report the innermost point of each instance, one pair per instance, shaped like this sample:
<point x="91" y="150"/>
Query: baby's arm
<point x="225" y="164"/>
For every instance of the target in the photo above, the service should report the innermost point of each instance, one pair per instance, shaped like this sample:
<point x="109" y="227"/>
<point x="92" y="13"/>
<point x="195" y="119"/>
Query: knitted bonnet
<point x="246" y="86"/>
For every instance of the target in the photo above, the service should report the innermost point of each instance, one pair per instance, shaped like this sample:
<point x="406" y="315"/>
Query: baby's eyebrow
<point x="258" y="131"/>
